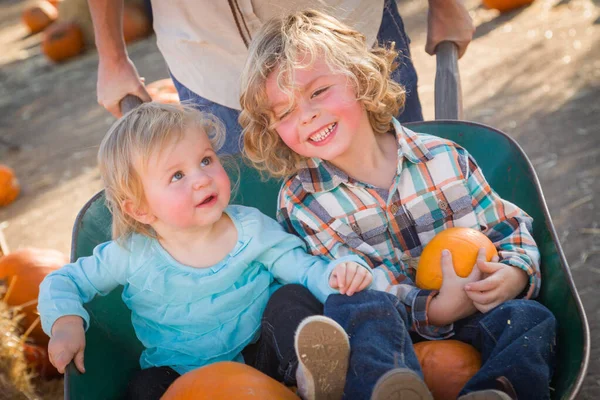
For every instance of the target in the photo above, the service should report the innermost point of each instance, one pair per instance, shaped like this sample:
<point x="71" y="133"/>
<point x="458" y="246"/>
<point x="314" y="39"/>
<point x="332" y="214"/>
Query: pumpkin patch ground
<point x="532" y="73"/>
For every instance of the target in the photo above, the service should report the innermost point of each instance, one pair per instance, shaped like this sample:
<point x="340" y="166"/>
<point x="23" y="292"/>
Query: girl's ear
<point x="141" y="214"/>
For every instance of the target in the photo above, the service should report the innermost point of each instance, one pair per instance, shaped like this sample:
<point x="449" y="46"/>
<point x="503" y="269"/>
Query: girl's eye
<point x="206" y="161"/>
<point x="177" y="176"/>
<point x="318" y="92"/>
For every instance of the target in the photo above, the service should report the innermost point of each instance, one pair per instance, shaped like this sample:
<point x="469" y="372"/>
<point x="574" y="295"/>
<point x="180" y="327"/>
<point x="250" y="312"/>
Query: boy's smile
<point x="323" y="118"/>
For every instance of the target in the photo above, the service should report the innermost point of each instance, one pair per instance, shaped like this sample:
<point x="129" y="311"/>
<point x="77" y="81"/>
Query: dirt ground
<point x="533" y="73"/>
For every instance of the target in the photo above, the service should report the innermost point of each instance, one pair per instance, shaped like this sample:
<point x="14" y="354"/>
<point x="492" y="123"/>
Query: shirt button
<point x="356" y="228"/>
<point x="443" y="205"/>
<point x="394" y="209"/>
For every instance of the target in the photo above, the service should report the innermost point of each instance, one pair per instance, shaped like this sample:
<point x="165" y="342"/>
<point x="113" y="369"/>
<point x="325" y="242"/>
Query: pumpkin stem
<point x="3" y="245"/>
<point x="29" y="330"/>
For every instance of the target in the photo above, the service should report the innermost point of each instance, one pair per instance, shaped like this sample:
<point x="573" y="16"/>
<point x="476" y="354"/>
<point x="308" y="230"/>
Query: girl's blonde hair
<point x="297" y="41"/>
<point x="131" y="141"/>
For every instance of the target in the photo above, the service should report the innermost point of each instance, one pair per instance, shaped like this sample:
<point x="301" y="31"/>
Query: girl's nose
<point x="200" y="180"/>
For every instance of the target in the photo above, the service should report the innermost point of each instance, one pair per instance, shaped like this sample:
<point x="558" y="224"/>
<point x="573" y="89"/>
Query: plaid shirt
<point x="438" y="185"/>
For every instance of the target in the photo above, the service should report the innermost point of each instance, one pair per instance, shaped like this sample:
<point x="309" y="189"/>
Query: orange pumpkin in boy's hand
<point x="463" y="244"/>
<point x="227" y="380"/>
<point x="447" y="366"/>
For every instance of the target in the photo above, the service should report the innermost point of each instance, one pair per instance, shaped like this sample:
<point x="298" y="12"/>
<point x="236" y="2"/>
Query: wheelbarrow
<point x="112" y="352"/>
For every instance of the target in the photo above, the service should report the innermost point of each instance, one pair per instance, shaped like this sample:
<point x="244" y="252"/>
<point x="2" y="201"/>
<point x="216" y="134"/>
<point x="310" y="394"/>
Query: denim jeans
<point x="391" y="30"/>
<point x="516" y="341"/>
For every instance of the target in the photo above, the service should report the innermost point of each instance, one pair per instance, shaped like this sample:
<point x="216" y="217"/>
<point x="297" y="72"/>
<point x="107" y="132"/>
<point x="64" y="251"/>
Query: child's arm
<point x="63" y="293"/>
<point x="288" y="261"/>
<point x="509" y="228"/>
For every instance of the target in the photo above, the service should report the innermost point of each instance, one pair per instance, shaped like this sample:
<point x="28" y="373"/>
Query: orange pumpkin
<point x="39" y="16"/>
<point x="447" y="366"/>
<point x="136" y="24"/>
<point x="22" y="272"/>
<point x="227" y="380"/>
<point x="506" y="5"/>
<point x="163" y="91"/>
<point x="37" y="359"/>
<point x="62" y="41"/>
<point x="463" y="244"/>
<point x="9" y="186"/>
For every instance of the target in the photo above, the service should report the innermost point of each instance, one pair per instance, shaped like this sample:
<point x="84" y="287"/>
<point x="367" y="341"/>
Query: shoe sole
<point x="323" y="350"/>
<point x="401" y="384"/>
<point x="486" y="395"/>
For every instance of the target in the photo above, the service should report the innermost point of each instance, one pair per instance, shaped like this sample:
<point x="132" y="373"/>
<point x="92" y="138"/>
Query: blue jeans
<point x="516" y="341"/>
<point x="391" y="30"/>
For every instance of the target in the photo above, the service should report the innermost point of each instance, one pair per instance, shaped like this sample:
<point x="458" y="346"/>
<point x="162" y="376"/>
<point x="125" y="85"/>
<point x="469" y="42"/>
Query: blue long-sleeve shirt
<point x="189" y="317"/>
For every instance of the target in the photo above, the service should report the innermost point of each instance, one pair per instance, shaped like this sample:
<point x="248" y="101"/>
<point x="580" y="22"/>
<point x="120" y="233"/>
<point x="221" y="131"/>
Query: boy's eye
<point x="206" y="161"/>
<point x="318" y="92"/>
<point x="177" y="176"/>
<point x="283" y="115"/>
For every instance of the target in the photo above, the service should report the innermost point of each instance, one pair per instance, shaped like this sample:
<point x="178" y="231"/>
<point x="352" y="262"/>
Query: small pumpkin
<point x="463" y="244"/>
<point x="62" y="41"/>
<point x="506" y="5"/>
<point x="447" y="366"/>
<point x="136" y="24"/>
<point x="39" y="16"/>
<point x="22" y="271"/>
<point x="163" y="91"/>
<point x="9" y="185"/>
<point x="227" y="380"/>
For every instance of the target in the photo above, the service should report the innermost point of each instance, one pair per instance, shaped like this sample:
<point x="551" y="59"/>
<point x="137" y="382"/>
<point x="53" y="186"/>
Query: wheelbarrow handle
<point x="448" y="94"/>
<point x="129" y="102"/>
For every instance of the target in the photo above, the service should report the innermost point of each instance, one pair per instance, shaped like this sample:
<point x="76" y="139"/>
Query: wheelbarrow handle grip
<point x="448" y="94"/>
<point x="70" y="370"/>
<point x="129" y="102"/>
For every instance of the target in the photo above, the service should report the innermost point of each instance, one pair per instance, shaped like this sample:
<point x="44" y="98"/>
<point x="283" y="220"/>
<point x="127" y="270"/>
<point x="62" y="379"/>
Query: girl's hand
<point x="349" y="278"/>
<point x="503" y="282"/>
<point x="452" y="302"/>
<point x="67" y="343"/>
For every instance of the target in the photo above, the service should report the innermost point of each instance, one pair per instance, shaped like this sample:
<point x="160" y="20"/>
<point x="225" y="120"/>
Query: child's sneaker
<point x="323" y="350"/>
<point x="401" y="383"/>
<point x="486" y="395"/>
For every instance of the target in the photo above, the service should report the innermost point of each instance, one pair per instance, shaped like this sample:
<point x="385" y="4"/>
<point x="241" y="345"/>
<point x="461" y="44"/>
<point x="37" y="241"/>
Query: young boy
<point x="318" y="108"/>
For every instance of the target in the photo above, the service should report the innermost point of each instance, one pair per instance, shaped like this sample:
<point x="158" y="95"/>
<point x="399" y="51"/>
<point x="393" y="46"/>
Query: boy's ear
<point x="140" y="214"/>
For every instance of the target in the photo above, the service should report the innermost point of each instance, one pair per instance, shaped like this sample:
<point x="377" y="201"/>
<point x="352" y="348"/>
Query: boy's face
<point x="185" y="185"/>
<point x="325" y="115"/>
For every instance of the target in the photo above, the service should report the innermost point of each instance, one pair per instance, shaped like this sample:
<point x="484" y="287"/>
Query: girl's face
<point x="324" y="116"/>
<point x="185" y="185"/>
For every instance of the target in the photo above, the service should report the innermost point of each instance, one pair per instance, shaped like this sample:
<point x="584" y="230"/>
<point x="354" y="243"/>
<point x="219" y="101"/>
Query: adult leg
<point x="274" y="353"/>
<point x="227" y="115"/>
<point x="151" y="383"/>
<point x="392" y="30"/>
<point x="517" y="344"/>
<point x="377" y="325"/>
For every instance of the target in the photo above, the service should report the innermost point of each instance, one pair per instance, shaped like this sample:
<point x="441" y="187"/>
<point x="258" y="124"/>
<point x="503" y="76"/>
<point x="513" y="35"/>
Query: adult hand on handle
<point x="115" y="81"/>
<point x="448" y="20"/>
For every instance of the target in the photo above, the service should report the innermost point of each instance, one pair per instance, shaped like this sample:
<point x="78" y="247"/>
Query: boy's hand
<point x="349" y="278"/>
<point x="503" y="282"/>
<point x="67" y="343"/>
<point x="452" y="303"/>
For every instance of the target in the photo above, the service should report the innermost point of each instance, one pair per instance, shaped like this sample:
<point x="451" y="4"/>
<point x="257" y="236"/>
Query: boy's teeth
<point x="323" y="134"/>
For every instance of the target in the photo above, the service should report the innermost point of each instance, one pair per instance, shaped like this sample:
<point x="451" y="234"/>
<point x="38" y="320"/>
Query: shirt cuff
<point x="418" y="300"/>
<point x="48" y="321"/>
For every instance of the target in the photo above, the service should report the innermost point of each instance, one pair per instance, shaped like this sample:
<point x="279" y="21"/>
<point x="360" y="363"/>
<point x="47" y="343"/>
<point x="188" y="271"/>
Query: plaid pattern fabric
<point x="438" y="185"/>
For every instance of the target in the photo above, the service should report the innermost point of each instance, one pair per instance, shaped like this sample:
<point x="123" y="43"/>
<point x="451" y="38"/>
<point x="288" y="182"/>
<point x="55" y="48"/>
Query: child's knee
<point x="528" y="313"/>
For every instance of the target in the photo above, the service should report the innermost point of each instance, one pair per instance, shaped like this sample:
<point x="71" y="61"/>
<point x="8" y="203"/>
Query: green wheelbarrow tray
<point x="112" y="351"/>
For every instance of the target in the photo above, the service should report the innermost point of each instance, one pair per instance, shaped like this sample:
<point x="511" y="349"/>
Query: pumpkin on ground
<point x="62" y="41"/>
<point x="463" y="244"/>
<point x="447" y="366"/>
<point x="39" y="16"/>
<point x="22" y="271"/>
<point x="227" y="380"/>
<point x="9" y="186"/>
<point x="163" y="91"/>
<point x="506" y="5"/>
<point x="136" y="24"/>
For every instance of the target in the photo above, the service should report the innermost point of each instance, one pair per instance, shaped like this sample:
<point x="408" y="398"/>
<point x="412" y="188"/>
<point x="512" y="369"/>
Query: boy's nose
<point x="309" y="115"/>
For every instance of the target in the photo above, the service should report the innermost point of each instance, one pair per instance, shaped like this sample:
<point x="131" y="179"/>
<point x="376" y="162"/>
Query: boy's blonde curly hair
<point x="131" y="141"/>
<point x="297" y="41"/>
